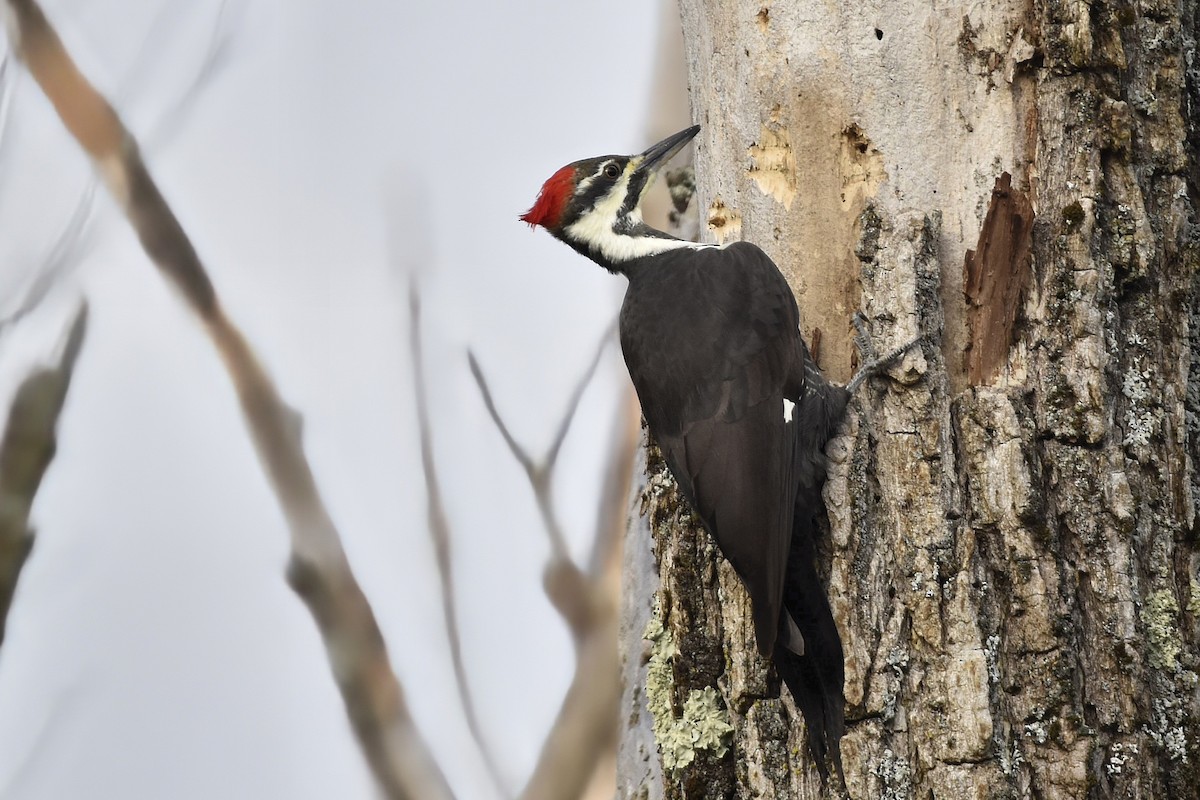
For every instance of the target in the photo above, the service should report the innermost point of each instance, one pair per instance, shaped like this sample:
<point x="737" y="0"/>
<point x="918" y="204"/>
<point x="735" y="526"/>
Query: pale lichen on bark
<point x="690" y="619"/>
<point x="1012" y="555"/>
<point x="700" y="723"/>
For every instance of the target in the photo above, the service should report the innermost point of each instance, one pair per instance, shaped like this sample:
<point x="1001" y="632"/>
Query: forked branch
<point x="541" y="474"/>
<point x="585" y="729"/>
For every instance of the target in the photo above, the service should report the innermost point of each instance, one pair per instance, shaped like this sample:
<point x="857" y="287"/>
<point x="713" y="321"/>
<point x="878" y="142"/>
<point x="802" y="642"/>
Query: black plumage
<point x="712" y="342"/>
<point x="711" y="336"/>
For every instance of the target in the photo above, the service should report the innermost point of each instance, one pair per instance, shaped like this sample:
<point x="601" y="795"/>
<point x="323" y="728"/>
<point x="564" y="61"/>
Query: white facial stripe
<point x="596" y="228"/>
<point x="586" y="182"/>
<point x="600" y="218"/>
<point x="788" y="408"/>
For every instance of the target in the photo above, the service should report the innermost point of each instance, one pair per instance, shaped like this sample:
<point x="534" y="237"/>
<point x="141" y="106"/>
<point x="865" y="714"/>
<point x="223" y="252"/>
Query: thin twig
<point x="318" y="569"/>
<point x="577" y="395"/>
<point x="7" y="90"/>
<point x="25" y="453"/>
<point x="585" y="729"/>
<point x="536" y="473"/>
<point x="439" y="530"/>
<point x="67" y="244"/>
<point x="216" y="55"/>
<point x="518" y="452"/>
<point x="35" y="749"/>
<point x="72" y="238"/>
<point x="618" y="476"/>
<point x="541" y="475"/>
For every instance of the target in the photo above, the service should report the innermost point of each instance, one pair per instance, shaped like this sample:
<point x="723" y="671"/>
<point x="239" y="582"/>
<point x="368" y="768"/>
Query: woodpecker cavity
<point x="711" y="337"/>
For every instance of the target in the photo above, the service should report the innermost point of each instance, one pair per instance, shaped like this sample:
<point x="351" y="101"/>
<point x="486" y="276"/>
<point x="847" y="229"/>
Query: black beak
<point x="659" y="154"/>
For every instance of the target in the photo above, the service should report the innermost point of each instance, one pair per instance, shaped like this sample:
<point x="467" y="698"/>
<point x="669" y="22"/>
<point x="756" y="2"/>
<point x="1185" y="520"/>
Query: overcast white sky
<point x="154" y="649"/>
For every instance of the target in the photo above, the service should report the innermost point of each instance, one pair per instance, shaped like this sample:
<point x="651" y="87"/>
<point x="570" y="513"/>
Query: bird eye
<point x="611" y="171"/>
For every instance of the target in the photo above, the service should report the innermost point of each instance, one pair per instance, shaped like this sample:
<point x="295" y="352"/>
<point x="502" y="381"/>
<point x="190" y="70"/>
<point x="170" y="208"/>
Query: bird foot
<point x="873" y="362"/>
<point x="862" y="338"/>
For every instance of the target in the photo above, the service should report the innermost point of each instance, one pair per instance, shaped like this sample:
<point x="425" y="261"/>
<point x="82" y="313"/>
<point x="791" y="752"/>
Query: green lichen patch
<point x="1159" y="615"/>
<point x="702" y="725"/>
<point x="1193" y="605"/>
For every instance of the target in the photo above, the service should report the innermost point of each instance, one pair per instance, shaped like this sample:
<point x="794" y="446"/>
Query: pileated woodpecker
<point x="731" y="394"/>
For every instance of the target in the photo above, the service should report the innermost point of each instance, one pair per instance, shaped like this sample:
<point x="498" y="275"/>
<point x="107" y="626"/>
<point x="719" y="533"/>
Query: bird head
<point x="594" y="205"/>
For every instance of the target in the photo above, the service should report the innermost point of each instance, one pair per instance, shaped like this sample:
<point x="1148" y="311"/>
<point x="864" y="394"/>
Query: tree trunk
<point x="1012" y="557"/>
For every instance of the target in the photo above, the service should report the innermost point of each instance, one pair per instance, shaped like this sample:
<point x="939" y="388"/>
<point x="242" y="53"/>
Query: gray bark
<point x="1012" y="555"/>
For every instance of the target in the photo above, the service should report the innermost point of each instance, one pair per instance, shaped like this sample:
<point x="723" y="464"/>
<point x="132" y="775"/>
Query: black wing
<point x="712" y="342"/>
<point x="711" y="338"/>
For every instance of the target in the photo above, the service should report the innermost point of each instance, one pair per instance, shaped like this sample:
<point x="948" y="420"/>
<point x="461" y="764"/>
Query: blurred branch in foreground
<point x="439" y="530"/>
<point x="62" y="255"/>
<point x="318" y="570"/>
<point x="25" y="453"/>
<point x="583" y="737"/>
<point x="74" y="236"/>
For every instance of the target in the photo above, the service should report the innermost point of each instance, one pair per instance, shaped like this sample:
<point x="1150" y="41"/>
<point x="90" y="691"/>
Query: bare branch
<point x="541" y="475"/>
<point x="584" y="732"/>
<point x="618" y="477"/>
<point x="518" y="452"/>
<point x="36" y="751"/>
<point x="586" y="727"/>
<point x="61" y="256"/>
<point x="585" y="380"/>
<point x="439" y="530"/>
<point x="25" y="453"/>
<point x="216" y="56"/>
<point x="318" y="569"/>
<point x="539" y="478"/>
<point x="7" y="90"/>
<point x="73" y="236"/>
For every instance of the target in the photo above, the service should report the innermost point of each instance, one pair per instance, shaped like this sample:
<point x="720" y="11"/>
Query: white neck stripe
<point x="618" y="248"/>
<point x="595" y="229"/>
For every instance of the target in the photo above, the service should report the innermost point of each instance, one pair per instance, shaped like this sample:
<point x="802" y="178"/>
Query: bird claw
<point x="873" y="363"/>
<point x="862" y="338"/>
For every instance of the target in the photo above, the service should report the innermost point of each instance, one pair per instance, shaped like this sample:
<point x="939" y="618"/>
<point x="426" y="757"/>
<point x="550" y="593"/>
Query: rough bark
<point x="1012" y="557"/>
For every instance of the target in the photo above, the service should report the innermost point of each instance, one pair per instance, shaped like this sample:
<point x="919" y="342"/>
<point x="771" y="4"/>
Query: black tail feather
<point x="815" y="679"/>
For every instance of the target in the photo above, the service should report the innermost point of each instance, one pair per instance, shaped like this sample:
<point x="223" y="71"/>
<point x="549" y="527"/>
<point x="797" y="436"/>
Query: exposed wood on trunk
<point x="1014" y="567"/>
<point x="995" y="275"/>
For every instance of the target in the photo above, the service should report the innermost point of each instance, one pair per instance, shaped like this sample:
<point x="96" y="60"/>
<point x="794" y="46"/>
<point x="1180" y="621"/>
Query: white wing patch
<point x="788" y="408"/>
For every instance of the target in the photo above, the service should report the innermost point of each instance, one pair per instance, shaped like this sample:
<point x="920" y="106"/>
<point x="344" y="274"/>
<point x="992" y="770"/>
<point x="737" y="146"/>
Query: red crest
<point x="548" y="208"/>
